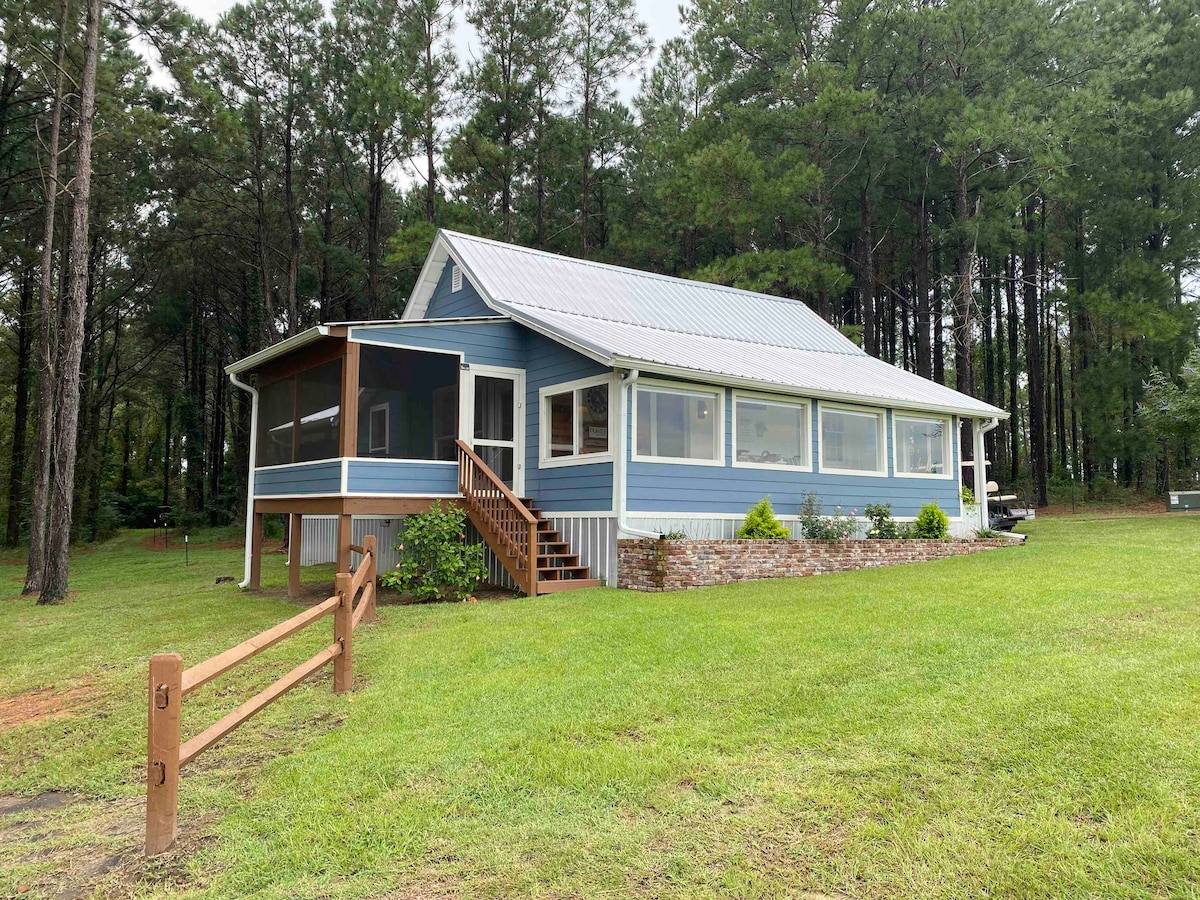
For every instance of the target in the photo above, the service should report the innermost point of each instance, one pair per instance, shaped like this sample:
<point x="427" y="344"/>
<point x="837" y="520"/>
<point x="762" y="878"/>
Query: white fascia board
<point x="704" y="377"/>
<point x="435" y="261"/>
<point x="287" y="346"/>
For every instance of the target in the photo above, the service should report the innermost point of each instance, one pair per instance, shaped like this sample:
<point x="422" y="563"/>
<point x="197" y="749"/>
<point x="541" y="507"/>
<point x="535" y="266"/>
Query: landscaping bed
<point x="673" y="565"/>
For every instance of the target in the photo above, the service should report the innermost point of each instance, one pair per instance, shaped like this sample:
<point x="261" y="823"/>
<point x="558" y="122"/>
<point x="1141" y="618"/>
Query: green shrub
<point x="436" y="562"/>
<point x="883" y="526"/>
<point x="675" y="536"/>
<point x="932" y="524"/>
<point x="761" y="524"/>
<point x="818" y="527"/>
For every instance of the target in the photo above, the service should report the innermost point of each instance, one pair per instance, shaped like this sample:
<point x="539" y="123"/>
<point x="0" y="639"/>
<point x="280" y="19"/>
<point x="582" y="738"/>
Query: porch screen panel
<point x="275" y="426"/>
<point x="413" y="397"/>
<point x="319" y="395"/>
<point x="493" y="409"/>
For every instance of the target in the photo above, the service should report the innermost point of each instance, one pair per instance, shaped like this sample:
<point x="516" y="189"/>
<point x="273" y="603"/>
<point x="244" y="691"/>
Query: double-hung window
<point x="576" y="422"/>
<point x="922" y="446"/>
<point x="679" y="425"/>
<point x="853" y="440"/>
<point x="771" y="432"/>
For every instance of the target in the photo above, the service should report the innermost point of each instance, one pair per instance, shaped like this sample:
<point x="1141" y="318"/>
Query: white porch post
<point x="980" y="468"/>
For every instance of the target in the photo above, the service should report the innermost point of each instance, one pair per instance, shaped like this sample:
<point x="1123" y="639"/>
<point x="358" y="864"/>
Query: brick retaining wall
<point x="647" y="565"/>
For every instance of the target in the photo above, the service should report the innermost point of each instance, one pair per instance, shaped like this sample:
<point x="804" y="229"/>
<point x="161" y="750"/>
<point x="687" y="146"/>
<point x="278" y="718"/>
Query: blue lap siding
<point x="497" y="343"/>
<point x="309" y="478"/>
<point x="421" y="479"/>
<point x="584" y="488"/>
<point x="446" y="303"/>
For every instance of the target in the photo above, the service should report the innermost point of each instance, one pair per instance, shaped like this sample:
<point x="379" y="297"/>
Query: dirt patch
<point x="42" y="704"/>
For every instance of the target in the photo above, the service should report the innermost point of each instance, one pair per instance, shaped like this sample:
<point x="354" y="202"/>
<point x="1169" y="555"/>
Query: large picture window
<point x="575" y="423"/>
<point x="770" y="433"/>
<point x="922" y="446"/>
<point x="852" y="440"/>
<point x="677" y="425"/>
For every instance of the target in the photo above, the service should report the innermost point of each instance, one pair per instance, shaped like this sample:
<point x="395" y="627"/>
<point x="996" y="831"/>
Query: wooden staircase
<point x="526" y="542"/>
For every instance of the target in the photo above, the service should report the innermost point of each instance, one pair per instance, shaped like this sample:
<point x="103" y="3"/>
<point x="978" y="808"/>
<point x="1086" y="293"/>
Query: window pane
<point x="920" y="446"/>
<point x="593" y="419"/>
<point x="420" y="393"/>
<point x="320" y="395"/>
<point x="851" y="441"/>
<point x="771" y="433"/>
<point x="275" y="423"/>
<point x="562" y="425"/>
<point x="675" y="425"/>
<point x="499" y="460"/>
<point x="493" y="408"/>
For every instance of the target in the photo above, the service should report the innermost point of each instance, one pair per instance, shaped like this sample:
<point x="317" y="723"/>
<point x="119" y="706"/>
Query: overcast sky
<point x="661" y="18"/>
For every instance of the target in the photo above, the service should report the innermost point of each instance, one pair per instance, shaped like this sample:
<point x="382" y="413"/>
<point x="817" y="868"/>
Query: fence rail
<point x="170" y="683"/>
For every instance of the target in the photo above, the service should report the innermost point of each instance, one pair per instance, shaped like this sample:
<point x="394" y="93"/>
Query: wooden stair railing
<point x="503" y="520"/>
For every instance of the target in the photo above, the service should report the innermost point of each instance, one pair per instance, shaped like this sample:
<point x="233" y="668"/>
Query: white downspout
<point x="980" y="430"/>
<point x="620" y="459"/>
<point x="253" y="392"/>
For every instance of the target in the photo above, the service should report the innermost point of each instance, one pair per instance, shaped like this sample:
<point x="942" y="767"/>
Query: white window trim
<point x="387" y="427"/>
<point x="947" y="449"/>
<point x="545" y="460"/>
<point x="777" y="400"/>
<point x="880" y="414"/>
<point x="672" y="387"/>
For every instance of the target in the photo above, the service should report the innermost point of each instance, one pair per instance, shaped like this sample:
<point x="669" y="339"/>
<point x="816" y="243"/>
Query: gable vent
<point x="456" y="279"/>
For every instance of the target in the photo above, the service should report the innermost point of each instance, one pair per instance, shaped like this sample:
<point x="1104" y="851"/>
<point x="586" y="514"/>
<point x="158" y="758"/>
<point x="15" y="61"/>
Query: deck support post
<point x="295" y="543"/>
<point x="256" y="552"/>
<point x="162" y="769"/>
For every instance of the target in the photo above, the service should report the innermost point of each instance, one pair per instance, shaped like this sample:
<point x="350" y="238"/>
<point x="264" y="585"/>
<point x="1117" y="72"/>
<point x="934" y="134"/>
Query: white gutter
<point x="253" y="452"/>
<point x="980" y="468"/>
<point x="620" y="458"/>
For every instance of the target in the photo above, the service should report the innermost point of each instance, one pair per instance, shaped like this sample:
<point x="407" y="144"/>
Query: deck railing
<point x="499" y="511"/>
<point x="170" y="683"/>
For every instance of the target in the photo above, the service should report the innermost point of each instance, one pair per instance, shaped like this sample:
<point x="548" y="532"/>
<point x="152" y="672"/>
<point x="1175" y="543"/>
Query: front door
<point x="494" y="422"/>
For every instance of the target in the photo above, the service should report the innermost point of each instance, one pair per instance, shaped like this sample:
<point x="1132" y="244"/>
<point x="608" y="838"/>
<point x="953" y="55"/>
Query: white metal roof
<point x="624" y="317"/>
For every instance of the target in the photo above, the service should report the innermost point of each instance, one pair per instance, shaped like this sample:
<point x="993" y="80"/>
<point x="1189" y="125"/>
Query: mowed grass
<point x="1021" y="723"/>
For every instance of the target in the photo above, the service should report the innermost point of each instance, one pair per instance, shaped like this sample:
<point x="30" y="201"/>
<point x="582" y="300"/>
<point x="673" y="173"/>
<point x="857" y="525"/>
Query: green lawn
<point x="1021" y="723"/>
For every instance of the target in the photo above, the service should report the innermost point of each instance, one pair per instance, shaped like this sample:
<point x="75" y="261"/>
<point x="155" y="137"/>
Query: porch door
<point x="494" y="420"/>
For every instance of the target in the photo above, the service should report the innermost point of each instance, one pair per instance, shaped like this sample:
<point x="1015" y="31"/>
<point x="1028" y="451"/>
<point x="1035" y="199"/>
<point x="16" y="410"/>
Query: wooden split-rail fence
<point x="170" y="683"/>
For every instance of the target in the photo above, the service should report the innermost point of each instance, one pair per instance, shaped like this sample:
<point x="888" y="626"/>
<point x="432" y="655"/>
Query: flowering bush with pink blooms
<point x="436" y="560"/>
<point x="818" y="527"/>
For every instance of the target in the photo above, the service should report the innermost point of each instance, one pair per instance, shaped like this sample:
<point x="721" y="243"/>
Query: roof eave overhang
<point x="643" y="365"/>
<point x="295" y="342"/>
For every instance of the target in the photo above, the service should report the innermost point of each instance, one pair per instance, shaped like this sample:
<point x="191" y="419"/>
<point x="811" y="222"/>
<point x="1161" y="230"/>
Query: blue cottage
<point x="566" y="403"/>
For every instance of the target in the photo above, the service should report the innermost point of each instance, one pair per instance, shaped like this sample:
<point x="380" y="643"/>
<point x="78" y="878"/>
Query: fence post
<point x="343" y="633"/>
<point x="370" y="546"/>
<point x="162" y="763"/>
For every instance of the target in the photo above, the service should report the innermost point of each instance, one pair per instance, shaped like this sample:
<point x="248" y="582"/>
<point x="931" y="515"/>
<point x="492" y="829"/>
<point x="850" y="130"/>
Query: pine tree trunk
<point x="921" y="307"/>
<point x="39" y="500"/>
<point x="54" y="587"/>
<point x="866" y="275"/>
<point x="1014" y="408"/>
<point x="16" y="468"/>
<point x="1034" y="364"/>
